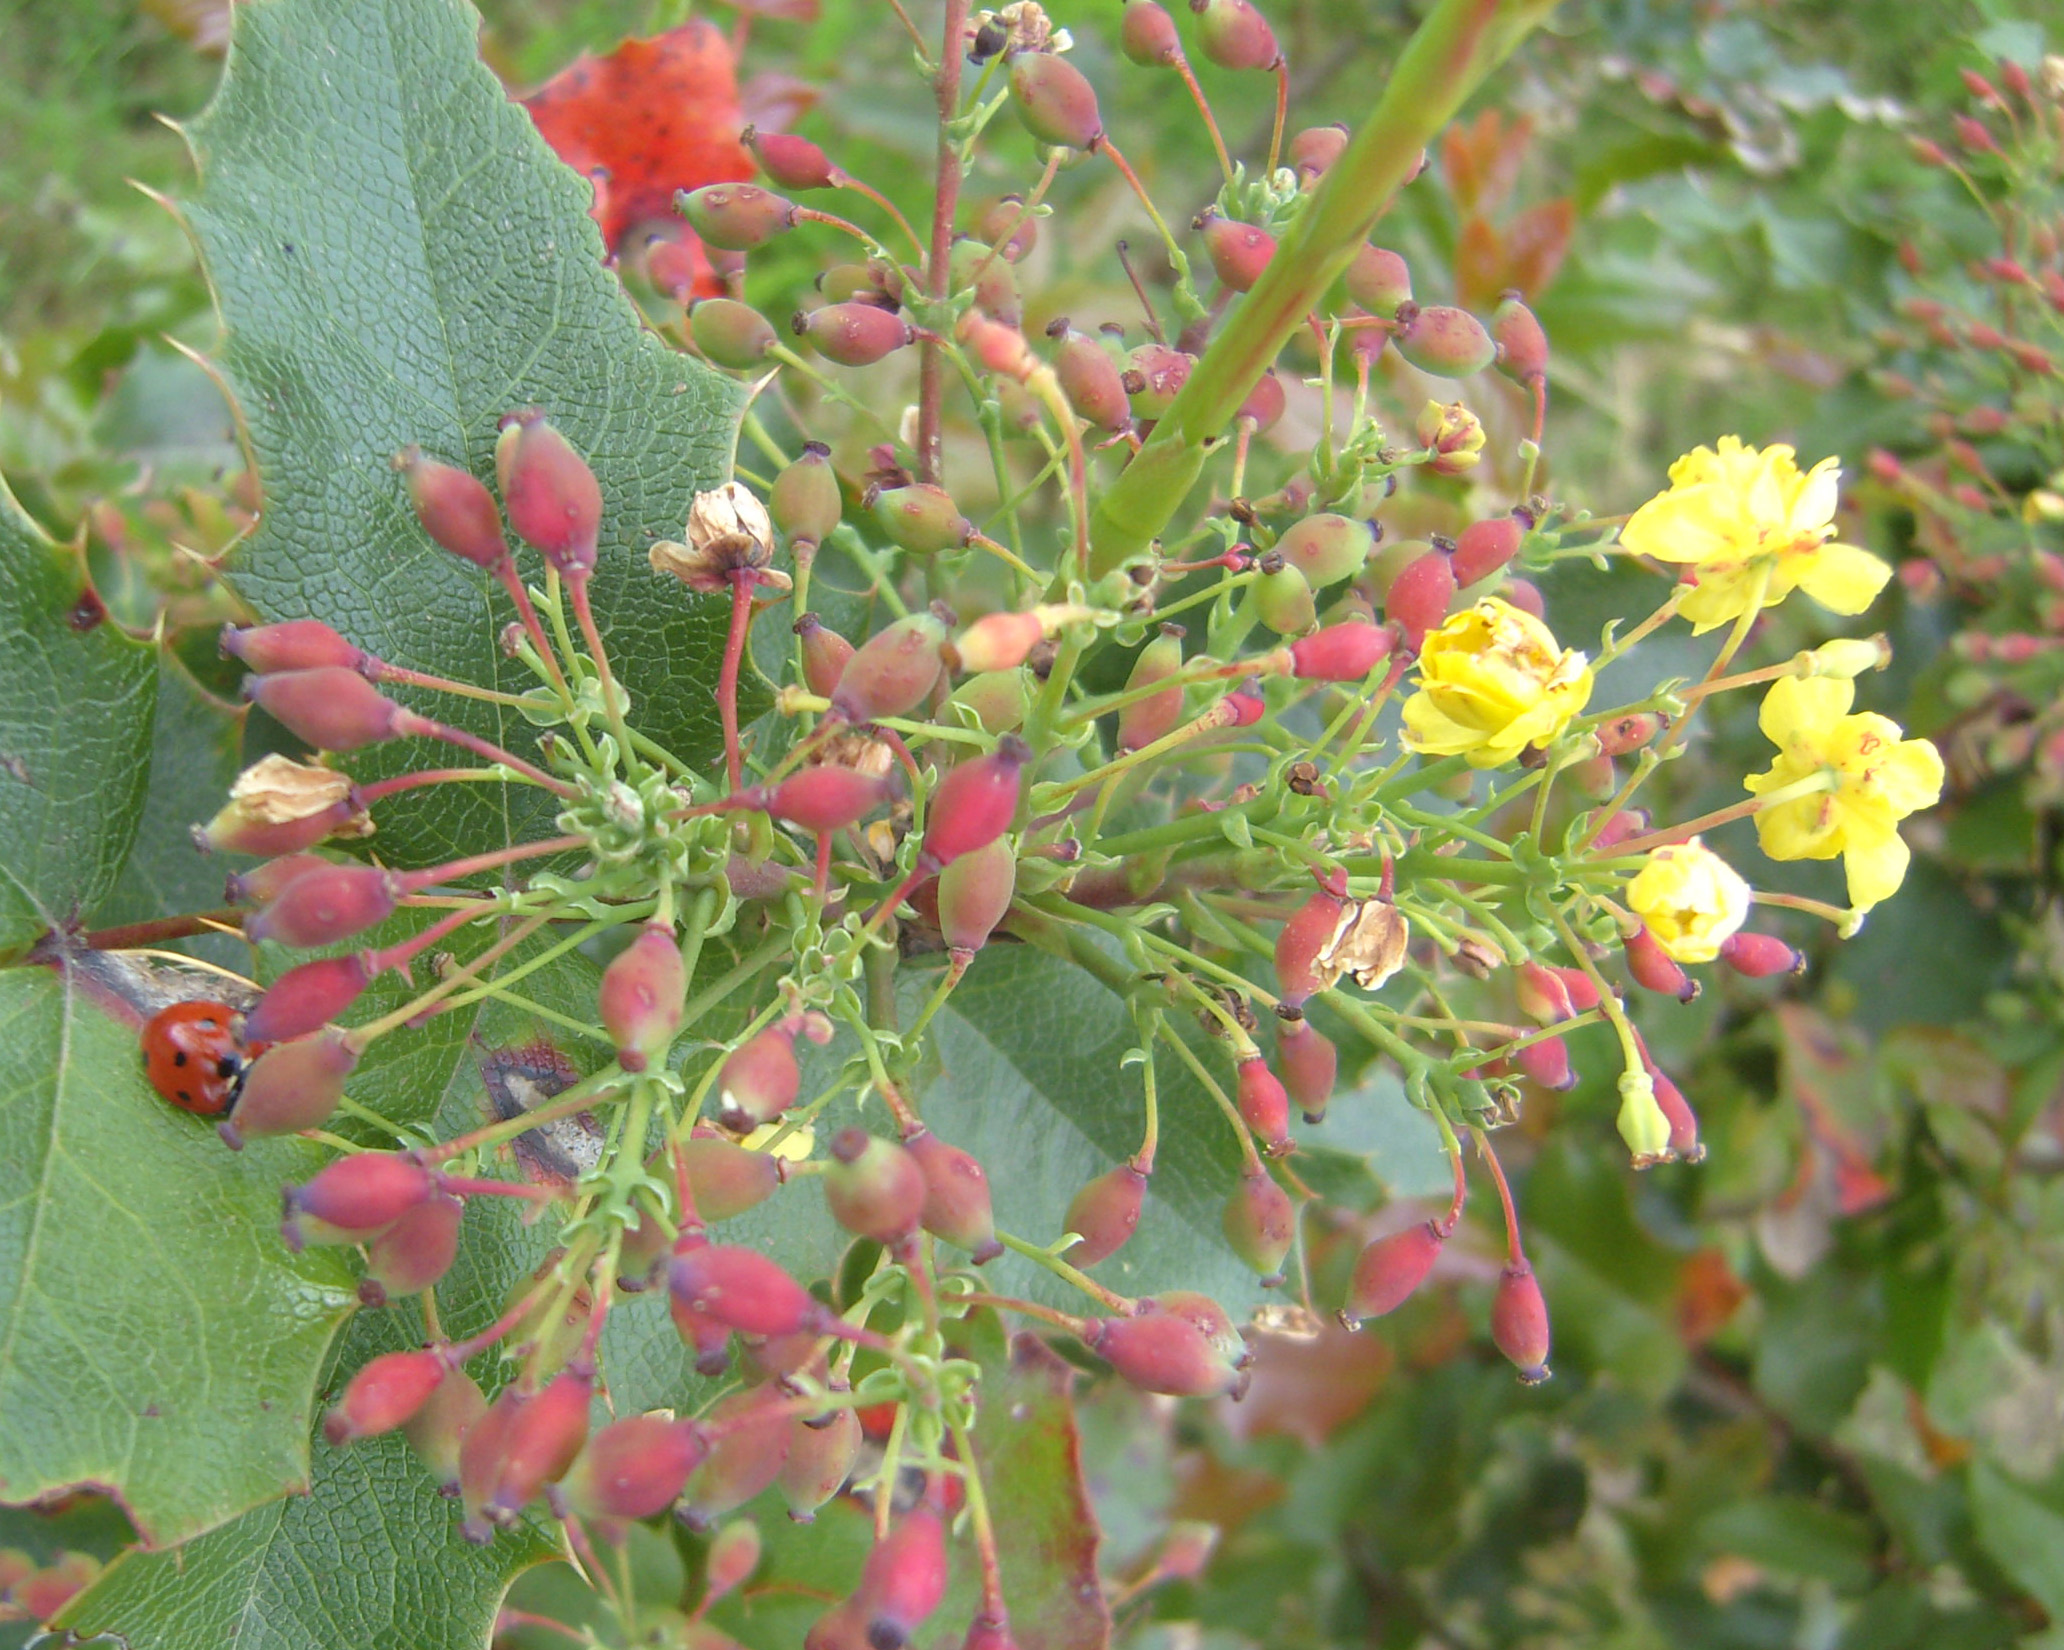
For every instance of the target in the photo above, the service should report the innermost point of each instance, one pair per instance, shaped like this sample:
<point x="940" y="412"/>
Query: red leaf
<point x="653" y="117"/>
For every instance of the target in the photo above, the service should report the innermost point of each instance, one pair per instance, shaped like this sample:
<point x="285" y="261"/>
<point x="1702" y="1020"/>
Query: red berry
<point x="1164" y="1352"/>
<point x="304" y="999"/>
<point x="956" y="1196"/>
<point x="853" y="335"/>
<point x="1758" y="956"/>
<point x="296" y="644"/>
<point x="826" y="798"/>
<point x="641" y="997"/>
<point x="1341" y="652"/>
<point x="975" y="804"/>
<point x="748" y="1435"/>
<point x="291" y="1086"/>
<point x="892" y="671"/>
<point x="1522" y="345"/>
<point x="1419" y="596"/>
<point x="542" y="1440"/>
<point x="1146" y="34"/>
<point x="792" y="162"/>
<point x="1519" y="1322"/>
<point x="1264" y="1104"/>
<point x="1548" y="1064"/>
<point x="1310" y="1066"/>
<point x="1234" y="35"/>
<point x="1543" y="994"/>
<point x="1239" y="252"/>
<point x="1105" y="1213"/>
<point x="1305" y="938"/>
<point x="193" y="1056"/>
<point x="261" y="882"/>
<point x="413" y="1253"/>
<point x="736" y="217"/>
<point x="326" y="904"/>
<point x="1390" y="1270"/>
<point x="455" y="508"/>
<point x="384" y="1394"/>
<point x="741" y="1289"/>
<point x="874" y="1187"/>
<point x="904" y="1578"/>
<point x="633" y="1468"/>
<point x="1683" y="1121"/>
<point x="1486" y="547"/>
<point x="357" y="1195"/>
<point x="1624" y="735"/>
<point x="1261" y="1224"/>
<point x="553" y="499"/>
<point x="1057" y="105"/>
<point x="1654" y="969"/>
<point x="331" y="708"/>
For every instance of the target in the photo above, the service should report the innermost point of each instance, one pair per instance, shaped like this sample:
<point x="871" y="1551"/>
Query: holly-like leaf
<point x="369" y="1559"/>
<point x="156" y="1339"/>
<point x="1031" y="1084"/>
<point x="76" y="703"/>
<point x="399" y="259"/>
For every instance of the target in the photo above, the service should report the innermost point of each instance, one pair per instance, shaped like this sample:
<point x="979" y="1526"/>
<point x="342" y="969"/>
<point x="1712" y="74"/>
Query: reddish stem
<point x="512" y="582"/>
<point x="410" y="725"/>
<point x="161" y="928"/>
<point x="415" y="881"/>
<point x="931" y="379"/>
<point x="727" y="681"/>
<point x="379" y="788"/>
<point x="1513" y="1252"/>
<point x="469" y="1186"/>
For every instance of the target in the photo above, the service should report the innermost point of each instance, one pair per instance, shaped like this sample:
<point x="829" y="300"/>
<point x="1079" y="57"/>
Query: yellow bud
<point x="1641" y="1121"/>
<point x="1847" y="657"/>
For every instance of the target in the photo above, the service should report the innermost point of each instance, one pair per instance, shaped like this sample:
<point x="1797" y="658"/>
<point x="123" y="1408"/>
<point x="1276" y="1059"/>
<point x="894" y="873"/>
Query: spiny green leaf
<point x="399" y="259"/>
<point x="76" y="701"/>
<point x="156" y="1339"/>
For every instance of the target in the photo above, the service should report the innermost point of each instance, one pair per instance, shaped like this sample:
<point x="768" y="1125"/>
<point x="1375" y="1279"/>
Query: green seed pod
<point x="1327" y="548"/>
<point x="1283" y="597"/>
<point x="1379" y="281"/>
<point x="874" y="1187"/>
<point x="974" y="892"/>
<point x="1147" y="719"/>
<point x="1056" y="103"/>
<point x="995" y="288"/>
<point x="920" y="518"/>
<point x="736" y="217"/>
<point x="1442" y="340"/>
<point x="731" y="334"/>
<point x="804" y="502"/>
<point x="1000" y="699"/>
<point x="1261" y="1223"/>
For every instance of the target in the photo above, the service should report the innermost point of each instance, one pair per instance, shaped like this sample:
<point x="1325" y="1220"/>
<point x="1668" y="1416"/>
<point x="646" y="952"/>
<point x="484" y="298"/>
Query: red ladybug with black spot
<point x="195" y="1056"/>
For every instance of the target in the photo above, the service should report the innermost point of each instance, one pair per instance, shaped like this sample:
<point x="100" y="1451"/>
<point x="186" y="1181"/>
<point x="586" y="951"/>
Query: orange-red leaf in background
<point x="652" y="117"/>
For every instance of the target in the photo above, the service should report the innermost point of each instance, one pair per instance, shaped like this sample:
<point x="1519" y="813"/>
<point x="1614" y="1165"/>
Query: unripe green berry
<point x="1379" y="281"/>
<point x="1056" y="103"/>
<point x="1149" y="718"/>
<point x="736" y="216"/>
<point x="1283" y="598"/>
<point x="804" y="502"/>
<point x="995" y="288"/>
<point x="731" y="334"/>
<point x="1443" y="340"/>
<point x="1154" y="376"/>
<point x="920" y="518"/>
<point x="1327" y="548"/>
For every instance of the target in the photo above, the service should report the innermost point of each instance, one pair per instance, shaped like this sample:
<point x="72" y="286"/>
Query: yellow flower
<point x="1690" y="900"/>
<point x="1492" y="681"/>
<point x="1752" y="528"/>
<point x="1872" y="777"/>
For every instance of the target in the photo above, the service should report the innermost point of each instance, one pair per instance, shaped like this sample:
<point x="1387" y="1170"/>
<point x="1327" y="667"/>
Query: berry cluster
<point x="1251" y="810"/>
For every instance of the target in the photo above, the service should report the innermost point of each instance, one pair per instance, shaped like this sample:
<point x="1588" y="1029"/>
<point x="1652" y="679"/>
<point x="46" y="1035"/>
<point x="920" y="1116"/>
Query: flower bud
<point x="1443" y="341"/>
<point x="1146" y="34"/>
<point x="741" y="1289"/>
<point x="384" y="1394"/>
<point x="1848" y="657"/>
<point x="759" y="1080"/>
<point x="305" y="999"/>
<point x="1641" y="1121"/>
<point x="1239" y="252"/>
<point x="1092" y="382"/>
<point x="290" y="1087"/>
<point x="821" y="1457"/>
<point x="553" y="499"/>
<point x="1379" y="281"/>
<point x="437" y="1428"/>
<point x="804" y="500"/>
<point x="1057" y="105"/>
<point x="1419" y="596"/>
<point x="1654" y="969"/>
<point x="854" y="334"/>
<point x="1341" y="652"/>
<point x="874" y="1187"/>
<point x="956" y="1196"/>
<point x="726" y="1179"/>
<point x="1486" y="547"/>
<point x="331" y="708"/>
<point x="731" y="334"/>
<point x="1310" y="1066"/>
<point x="1234" y="35"/>
<point x="892" y="672"/>
<point x="920" y="518"/>
<point x="1313" y="151"/>
<point x="825" y="653"/>
<point x="735" y="217"/>
<point x="455" y="508"/>
<point x="792" y="162"/>
<point x="641" y="996"/>
<point x="414" y="1252"/>
<point x="1522" y="345"/>
<point x="1261" y="1224"/>
<point x="1519" y="1322"/>
<point x="356" y="1195"/>
<point x="1282" y="599"/>
<point x="1758" y="956"/>
<point x="975" y="803"/>
<point x="748" y="1443"/>
<point x="1164" y="1352"/>
<point x="1453" y="434"/>
<point x="1104" y="1214"/>
<point x="1547" y="1063"/>
<point x="296" y="644"/>
<point x="1264" y="1105"/>
<point x="633" y="1468"/>
<point x="1389" y="1271"/>
<point x="825" y="798"/>
<point x="1150" y="718"/>
<point x="1154" y="375"/>
<point x="1326" y="548"/>
<point x="330" y="903"/>
<point x="974" y="893"/>
<point x="904" y="1578"/>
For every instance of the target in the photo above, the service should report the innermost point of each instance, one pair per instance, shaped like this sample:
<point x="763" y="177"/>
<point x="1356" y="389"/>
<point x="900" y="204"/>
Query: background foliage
<point x="1808" y="1393"/>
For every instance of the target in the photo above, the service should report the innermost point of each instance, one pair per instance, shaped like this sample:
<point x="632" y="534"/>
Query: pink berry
<point x="1486" y="547"/>
<point x="1380" y="281"/>
<point x="1522" y="345"/>
<point x="296" y="644"/>
<point x="1234" y="35"/>
<point x="290" y="1087"/>
<point x="825" y="654"/>
<point x="633" y="1468"/>
<point x="741" y="1289"/>
<point x="1654" y="969"/>
<point x="1519" y="1322"/>
<point x="383" y="1395"/>
<point x="974" y="893"/>
<point x="332" y="708"/>
<point x="792" y="162"/>
<point x="1389" y="1271"/>
<point x="874" y="1187"/>
<point x="736" y="217"/>
<point x="853" y="334"/>
<point x="1443" y="341"/>
<point x="975" y="804"/>
<point x="553" y="499"/>
<point x="1309" y="1064"/>
<point x="1105" y="1213"/>
<point x="1164" y="1352"/>
<point x="1341" y="652"/>
<point x="1758" y="956"/>
<point x="306" y="998"/>
<point x="1260" y="1223"/>
<point x="1239" y="252"/>
<point x="1547" y="1063"/>
<point x="725" y="1178"/>
<point x="357" y="1195"/>
<point x="904" y="1578"/>
<point x="956" y="1197"/>
<point x="1091" y="380"/>
<point x="413" y="1253"/>
<point x="1057" y="105"/>
<point x="1146" y="34"/>
<point x="892" y="671"/>
<point x="1264" y="1104"/>
<point x="330" y="903"/>
<point x="641" y="997"/>
<point x="455" y="508"/>
<point x="826" y="798"/>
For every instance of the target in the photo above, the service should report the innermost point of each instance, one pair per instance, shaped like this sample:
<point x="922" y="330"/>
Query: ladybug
<point x="194" y="1056"/>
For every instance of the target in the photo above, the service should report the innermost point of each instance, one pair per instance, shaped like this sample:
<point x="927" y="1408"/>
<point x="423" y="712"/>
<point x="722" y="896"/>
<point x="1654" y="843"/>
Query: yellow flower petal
<point x="1804" y="707"/>
<point x="1842" y="578"/>
<point x="1875" y="868"/>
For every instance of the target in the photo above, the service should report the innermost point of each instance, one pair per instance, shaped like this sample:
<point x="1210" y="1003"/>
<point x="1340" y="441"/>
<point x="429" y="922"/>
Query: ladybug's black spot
<point x="179" y="1057"/>
<point x="185" y="1099"/>
<point x="228" y="1066"/>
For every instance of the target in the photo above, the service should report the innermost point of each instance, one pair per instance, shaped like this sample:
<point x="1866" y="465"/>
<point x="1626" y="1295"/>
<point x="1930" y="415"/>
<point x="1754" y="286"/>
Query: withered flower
<point x="728" y="533"/>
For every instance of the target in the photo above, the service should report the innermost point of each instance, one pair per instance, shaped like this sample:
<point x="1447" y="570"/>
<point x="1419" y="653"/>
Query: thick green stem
<point x="1455" y="48"/>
